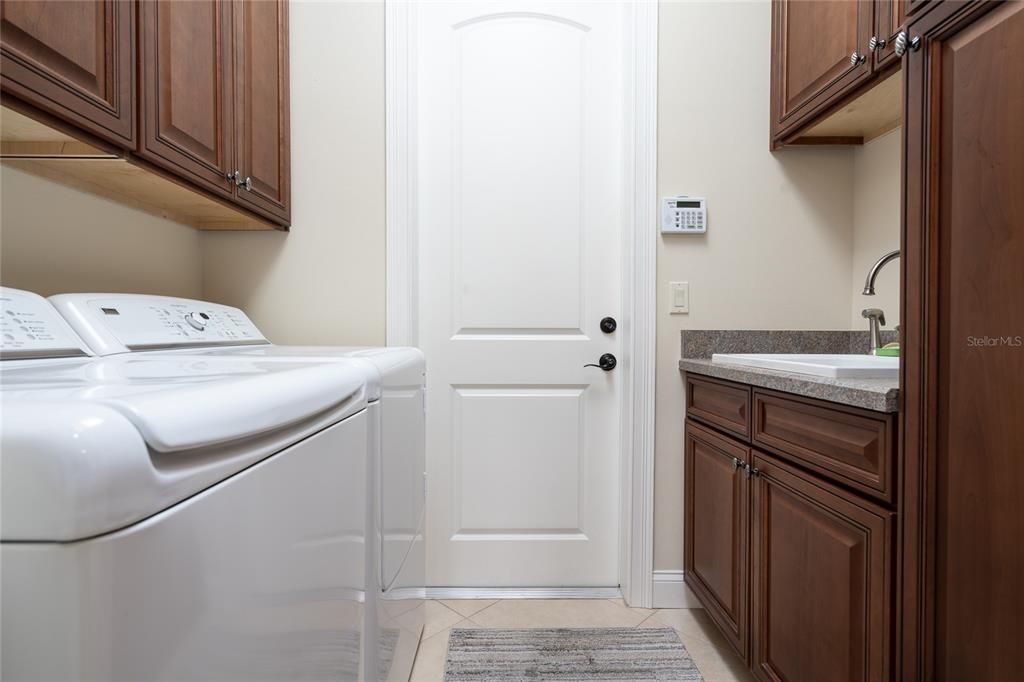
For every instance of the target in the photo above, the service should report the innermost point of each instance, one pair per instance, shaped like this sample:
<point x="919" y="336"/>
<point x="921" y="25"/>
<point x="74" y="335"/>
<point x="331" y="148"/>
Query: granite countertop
<point x="880" y="395"/>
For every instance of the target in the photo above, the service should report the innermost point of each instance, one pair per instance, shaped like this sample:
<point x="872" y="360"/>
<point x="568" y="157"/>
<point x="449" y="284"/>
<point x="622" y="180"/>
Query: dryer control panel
<point x="31" y="328"/>
<point x="119" y="323"/>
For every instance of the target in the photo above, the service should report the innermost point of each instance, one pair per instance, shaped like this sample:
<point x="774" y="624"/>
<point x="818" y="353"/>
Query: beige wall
<point x="876" y="226"/>
<point x="777" y="251"/>
<point x="323" y="283"/>
<point x="55" y="239"/>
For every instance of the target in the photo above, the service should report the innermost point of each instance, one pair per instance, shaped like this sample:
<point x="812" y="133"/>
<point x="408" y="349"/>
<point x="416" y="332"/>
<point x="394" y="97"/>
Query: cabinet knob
<point x="876" y="43"/>
<point x="904" y="42"/>
<point x="247" y="184"/>
<point x="235" y="177"/>
<point x="856" y="59"/>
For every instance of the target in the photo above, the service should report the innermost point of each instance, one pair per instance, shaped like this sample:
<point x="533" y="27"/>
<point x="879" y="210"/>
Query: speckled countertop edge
<point x="880" y="395"/>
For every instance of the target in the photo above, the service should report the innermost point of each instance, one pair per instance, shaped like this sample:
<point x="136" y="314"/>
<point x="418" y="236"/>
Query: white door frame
<point x="638" y="323"/>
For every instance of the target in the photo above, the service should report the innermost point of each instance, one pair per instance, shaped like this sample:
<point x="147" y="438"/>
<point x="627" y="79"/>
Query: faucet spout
<point x="869" y="282"/>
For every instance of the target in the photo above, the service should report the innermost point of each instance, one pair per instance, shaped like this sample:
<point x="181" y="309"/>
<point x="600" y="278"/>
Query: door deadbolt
<point x="608" y="325"/>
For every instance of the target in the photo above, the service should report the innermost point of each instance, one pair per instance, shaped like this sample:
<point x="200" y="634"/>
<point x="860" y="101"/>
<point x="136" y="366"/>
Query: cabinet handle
<point x="876" y="43"/>
<point x="903" y="42"/>
<point x="234" y="177"/>
<point x="736" y="463"/>
<point x="247" y="184"/>
<point x="856" y="59"/>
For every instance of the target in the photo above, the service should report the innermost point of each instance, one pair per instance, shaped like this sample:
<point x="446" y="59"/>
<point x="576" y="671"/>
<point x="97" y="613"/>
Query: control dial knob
<point x="197" y="320"/>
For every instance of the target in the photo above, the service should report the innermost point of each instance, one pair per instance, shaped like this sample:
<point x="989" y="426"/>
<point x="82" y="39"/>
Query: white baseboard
<point x="670" y="592"/>
<point x="523" y="593"/>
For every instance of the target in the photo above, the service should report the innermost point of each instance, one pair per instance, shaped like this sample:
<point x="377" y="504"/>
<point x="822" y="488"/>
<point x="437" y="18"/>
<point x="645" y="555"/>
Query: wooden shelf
<point x="40" y="150"/>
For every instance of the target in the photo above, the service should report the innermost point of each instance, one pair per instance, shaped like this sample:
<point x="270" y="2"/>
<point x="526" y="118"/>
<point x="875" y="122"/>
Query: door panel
<point x="821" y="583"/>
<point x="520" y="175"/>
<point x="716" y="530"/>
<point x="187" y="85"/>
<point x="889" y="16"/>
<point x="75" y="60"/>
<point x="964" y="243"/>
<point x="261" y="57"/>
<point x="812" y="41"/>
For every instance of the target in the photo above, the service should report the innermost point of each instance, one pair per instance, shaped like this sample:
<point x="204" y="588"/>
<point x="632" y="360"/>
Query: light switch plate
<point x="679" y="297"/>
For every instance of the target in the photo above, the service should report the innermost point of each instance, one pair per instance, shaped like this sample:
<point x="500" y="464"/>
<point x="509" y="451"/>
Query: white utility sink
<point x="832" y="366"/>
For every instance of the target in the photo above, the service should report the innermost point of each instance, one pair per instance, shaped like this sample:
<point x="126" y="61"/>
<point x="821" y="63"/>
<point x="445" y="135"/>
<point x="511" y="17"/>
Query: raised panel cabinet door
<point x="889" y="17"/>
<point x="261" y="68"/>
<point x="963" y="383"/>
<point x="821" y="580"/>
<point x="812" y="45"/>
<point x="716" y="530"/>
<point x="75" y="60"/>
<point x="187" y="86"/>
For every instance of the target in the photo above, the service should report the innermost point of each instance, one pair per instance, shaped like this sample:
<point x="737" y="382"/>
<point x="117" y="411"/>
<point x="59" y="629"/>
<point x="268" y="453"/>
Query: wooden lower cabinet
<point x="821" y="580"/>
<point x="796" y="571"/>
<point x="717" y="530"/>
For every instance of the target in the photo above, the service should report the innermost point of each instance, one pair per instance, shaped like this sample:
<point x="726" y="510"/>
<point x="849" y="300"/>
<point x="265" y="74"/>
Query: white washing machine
<point x="111" y="324"/>
<point x="177" y="517"/>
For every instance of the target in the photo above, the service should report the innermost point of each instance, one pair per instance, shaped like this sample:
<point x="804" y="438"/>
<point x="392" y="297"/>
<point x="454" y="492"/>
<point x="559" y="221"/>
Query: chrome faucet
<point x="869" y="283"/>
<point x="875" y="316"/>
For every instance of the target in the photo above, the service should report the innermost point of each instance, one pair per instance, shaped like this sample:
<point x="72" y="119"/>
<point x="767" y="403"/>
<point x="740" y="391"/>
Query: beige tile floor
<point x="708" y="649"/>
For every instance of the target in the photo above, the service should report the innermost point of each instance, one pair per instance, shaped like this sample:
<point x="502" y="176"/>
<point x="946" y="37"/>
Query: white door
<point x="520" y="212"/>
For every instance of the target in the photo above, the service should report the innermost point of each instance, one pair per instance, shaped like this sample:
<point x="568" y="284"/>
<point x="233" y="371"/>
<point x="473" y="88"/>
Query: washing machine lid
<point x="90" y="446"/>
<point x="386" y="368"/>
<point x="182" y="402"/>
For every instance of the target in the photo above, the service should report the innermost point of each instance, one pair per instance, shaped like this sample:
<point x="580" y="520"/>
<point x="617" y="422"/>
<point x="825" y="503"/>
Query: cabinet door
<point x="812" y="45"/>
<point x="821" y="580"/>
<point x="964" y="343"/>
<point x="187" y="90"/>
<point x="74" y="60"/>
<point x="716" y="528"/>
<point x="264" y="148"/>
<point x="889" y="17"/>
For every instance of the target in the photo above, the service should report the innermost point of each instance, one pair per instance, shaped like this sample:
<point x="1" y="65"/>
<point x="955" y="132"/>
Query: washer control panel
<point x="117" y="323"/>
<point x="31" y="328"/>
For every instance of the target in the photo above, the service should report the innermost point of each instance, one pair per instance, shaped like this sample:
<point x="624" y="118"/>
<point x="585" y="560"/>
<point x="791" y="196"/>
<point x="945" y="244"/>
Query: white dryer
<point x="112" y="324"/>
<point x="174" y="517"/>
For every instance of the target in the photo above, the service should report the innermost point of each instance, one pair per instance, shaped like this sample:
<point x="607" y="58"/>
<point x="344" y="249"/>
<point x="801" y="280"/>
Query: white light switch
<point x="680" y="297"/>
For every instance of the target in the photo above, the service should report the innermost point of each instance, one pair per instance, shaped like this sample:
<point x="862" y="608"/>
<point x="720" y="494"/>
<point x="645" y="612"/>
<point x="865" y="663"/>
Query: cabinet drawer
<point x="848" y="445"/>
<point x="719" y="403"/>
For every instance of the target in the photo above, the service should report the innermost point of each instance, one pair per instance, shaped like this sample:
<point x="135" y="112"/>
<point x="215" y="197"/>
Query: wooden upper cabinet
<point x="262" y="123"/>
<point x="187" y="71"/>
<point x="821" y="580"/>
<point x="74" y="60"/>
<point x="716" y="530"/>
<point x="812" y="45"/>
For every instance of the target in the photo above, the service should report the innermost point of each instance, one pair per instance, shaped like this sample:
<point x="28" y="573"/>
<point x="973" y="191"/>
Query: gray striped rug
<point x="568" y="654"/>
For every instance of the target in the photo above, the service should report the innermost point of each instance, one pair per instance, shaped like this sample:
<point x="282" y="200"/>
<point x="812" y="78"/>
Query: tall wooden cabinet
<point x="75" y="60"/>
<point x="963" y="326"/>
